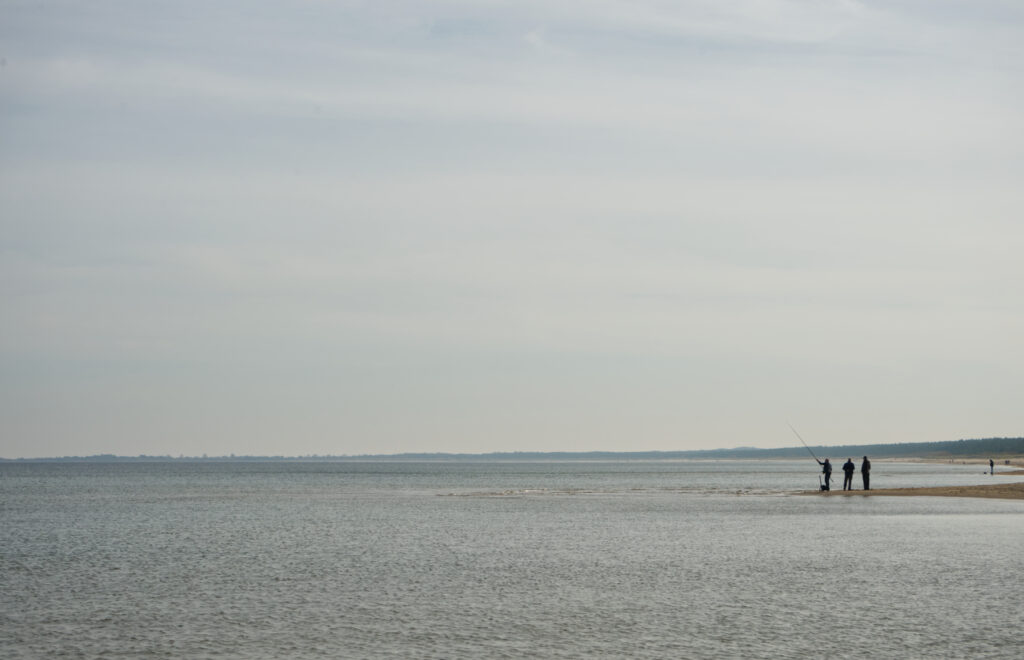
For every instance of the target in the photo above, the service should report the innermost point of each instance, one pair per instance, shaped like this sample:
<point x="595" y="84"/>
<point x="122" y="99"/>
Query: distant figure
<point x="826" y="469"/>
<point x="865" y="473"/>
<point x="848" y="468"/>
<point x="991" y="466"/>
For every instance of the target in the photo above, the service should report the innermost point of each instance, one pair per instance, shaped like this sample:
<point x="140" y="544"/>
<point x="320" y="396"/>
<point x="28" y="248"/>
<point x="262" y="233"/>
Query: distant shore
<point x="999" y="491"/>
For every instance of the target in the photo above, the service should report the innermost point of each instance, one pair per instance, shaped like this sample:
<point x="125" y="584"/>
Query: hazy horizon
<point x="989" y="447"/>
<point x="444" y="226"/>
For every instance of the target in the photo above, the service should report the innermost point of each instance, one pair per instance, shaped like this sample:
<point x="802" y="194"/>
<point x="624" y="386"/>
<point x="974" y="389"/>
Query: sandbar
<point x="1000" y="491"/>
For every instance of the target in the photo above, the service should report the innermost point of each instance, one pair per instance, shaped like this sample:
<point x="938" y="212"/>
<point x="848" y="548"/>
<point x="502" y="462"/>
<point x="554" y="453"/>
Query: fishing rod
<point x="802" y="441"/>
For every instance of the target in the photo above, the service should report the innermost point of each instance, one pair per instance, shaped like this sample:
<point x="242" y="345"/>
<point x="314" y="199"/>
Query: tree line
<point x="975" y="448"/>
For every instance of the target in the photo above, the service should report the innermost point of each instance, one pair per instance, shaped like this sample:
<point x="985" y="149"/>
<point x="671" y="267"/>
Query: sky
<point x="346" y="227"/>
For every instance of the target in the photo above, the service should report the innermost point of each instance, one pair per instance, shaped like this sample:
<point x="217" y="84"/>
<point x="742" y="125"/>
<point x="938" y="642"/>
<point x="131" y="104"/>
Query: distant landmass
<point x="977" y="448"/>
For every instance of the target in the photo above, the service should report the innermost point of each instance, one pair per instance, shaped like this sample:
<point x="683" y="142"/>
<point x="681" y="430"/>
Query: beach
<point x="1014" y="491"/>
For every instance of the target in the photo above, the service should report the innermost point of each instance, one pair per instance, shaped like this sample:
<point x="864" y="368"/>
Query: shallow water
<point x="647" y="559"/>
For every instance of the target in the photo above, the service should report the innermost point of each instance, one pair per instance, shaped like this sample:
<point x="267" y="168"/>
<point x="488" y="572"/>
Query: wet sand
<point x="1001" y="491"/>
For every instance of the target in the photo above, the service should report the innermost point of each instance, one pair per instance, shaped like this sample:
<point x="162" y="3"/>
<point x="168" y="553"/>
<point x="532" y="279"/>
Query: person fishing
<point x="991" y="466"/>
<point x="848" y="468"/>
<point x="826" y="469"/>
<point x="865" y="473"/>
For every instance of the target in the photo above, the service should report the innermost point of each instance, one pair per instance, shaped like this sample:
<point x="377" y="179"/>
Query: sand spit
<point x="1000" y="491"/>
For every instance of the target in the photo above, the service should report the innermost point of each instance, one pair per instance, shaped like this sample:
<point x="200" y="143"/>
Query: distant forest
<point x="980" y="448"/>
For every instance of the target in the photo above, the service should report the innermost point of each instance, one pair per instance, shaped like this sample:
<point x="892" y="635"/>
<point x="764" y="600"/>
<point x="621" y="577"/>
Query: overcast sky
<point x="375" y="227"/>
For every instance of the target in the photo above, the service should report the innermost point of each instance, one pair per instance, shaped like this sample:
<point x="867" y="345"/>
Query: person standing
<point x="865" y="473"/>
<point x="848" y="469"/>
<point x="826" y="469"/>
<point x="991" y="466"/>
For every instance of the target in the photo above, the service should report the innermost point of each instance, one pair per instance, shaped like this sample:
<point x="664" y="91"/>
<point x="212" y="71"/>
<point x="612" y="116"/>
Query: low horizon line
<point x="446" y="454"/>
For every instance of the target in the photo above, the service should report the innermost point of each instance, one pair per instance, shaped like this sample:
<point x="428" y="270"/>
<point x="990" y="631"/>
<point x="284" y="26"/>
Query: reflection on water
<point x="650" y="559"/>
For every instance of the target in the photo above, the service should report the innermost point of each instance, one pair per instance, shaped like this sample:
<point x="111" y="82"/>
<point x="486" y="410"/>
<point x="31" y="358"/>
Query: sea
<point x="502" y="559"/>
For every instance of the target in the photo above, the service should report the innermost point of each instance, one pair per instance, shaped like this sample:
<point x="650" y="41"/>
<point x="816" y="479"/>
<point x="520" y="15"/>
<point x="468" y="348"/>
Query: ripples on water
<point x="455" y="560"/>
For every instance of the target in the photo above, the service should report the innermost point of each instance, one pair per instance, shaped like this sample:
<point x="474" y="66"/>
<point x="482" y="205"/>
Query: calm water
<point x="653" y="559"/>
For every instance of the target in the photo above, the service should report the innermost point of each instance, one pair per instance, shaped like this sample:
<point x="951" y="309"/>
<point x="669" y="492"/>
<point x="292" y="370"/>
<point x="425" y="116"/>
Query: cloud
<point x="366" y="216"/>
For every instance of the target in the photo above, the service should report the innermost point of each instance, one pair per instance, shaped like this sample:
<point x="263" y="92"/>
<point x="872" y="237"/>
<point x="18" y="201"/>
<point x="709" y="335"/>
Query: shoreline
<point x="1014" y="491"/>
<point x="1011" y="463"/>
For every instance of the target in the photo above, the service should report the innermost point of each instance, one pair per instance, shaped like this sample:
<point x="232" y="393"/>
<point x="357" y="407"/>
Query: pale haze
<point x="378" y="227"/>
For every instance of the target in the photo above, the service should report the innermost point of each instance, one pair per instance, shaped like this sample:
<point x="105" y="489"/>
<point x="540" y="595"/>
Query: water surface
<point x="646" y="559"/>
